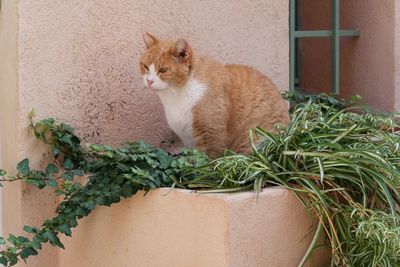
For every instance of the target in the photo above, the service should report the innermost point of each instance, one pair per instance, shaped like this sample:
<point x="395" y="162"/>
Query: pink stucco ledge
<point x="181" y="228"/>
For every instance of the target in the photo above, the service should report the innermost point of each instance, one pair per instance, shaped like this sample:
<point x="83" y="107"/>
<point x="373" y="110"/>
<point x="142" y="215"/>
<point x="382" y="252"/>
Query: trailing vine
<point x="345" y="168"/>
<point x="112" y="174"/>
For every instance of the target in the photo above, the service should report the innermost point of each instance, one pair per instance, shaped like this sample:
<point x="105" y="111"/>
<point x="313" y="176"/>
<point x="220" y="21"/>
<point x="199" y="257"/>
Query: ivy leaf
<point x="164" y="159"/>
<point x="39" y="183"/>
<point x="56" y="151"/>
<point x="22" y="239"/>
<point x="13" y="259"/>
<point x="89" y="205"/>
<point x="59" y="192"/>
<point x="65" y="229"/>
<point x="51" y="169"/>
<point x="3" y="261"/>
<point x="54" y="240"/>
<point x="73" y="222"/>
<point x="30" y="229"/>
<point x="37" y="243"/>
<point x="52" y="183"/>
<point x="2" y="242"/>
<point x="28" y="251"/>
<point x="78" y="172"/>
<point x="80" y="212"/>
<point x="66" y="139"/>
<point x="23" y="167"/>
<point x="68" y="164"/>
<point x="12" y="239"/>
<point x="69" y="175"/>
<point x="127" y="190"/>
<point x="2" y="172"/>
<point x="67" y="127"/>
<point x="103" y="201"/>
<point x="114" y="196"/>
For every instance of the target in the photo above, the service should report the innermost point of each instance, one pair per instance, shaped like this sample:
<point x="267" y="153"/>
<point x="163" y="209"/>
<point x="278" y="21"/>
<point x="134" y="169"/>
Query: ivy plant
<point x="343" y="166"/>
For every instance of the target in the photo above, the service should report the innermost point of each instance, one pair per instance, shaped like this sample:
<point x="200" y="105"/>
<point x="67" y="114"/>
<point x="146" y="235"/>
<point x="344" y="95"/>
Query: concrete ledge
<point x="187" y="229"/>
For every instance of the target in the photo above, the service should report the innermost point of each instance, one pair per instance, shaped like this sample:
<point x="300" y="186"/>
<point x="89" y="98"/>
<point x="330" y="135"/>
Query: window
<point x="335" y="33"/>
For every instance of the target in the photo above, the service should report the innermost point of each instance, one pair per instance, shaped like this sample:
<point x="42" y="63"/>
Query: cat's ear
<point x="149" y="39"/>
<point x="182" y="50"/>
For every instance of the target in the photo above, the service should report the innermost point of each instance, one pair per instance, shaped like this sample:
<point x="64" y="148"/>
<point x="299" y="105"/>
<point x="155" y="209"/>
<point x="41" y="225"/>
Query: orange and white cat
<point x="210" y="105"/>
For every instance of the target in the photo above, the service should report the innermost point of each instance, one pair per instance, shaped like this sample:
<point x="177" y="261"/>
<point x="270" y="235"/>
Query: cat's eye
<point x="163" y="70"/>
<point x="146" y="67"/>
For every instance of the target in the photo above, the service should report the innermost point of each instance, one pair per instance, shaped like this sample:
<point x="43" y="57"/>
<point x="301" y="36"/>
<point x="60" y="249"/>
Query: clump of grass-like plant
<point x="343" y="166"/>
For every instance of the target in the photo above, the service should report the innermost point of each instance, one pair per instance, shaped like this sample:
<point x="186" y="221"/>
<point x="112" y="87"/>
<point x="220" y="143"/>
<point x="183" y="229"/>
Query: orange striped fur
<point x="210" y="105"/>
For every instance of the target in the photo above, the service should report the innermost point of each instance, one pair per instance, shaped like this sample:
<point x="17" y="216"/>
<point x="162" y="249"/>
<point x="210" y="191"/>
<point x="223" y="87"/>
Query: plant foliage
<point x="343" y="166"/>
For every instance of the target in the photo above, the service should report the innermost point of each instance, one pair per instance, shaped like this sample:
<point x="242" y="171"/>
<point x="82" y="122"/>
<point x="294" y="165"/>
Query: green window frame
<point x="335" y="34"/>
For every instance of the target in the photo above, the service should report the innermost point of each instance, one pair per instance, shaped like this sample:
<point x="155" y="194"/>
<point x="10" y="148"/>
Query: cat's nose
<point x="149" y="82"/>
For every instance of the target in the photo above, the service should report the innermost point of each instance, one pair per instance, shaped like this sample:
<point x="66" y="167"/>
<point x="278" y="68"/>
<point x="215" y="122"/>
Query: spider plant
<point x="343" y="166"/>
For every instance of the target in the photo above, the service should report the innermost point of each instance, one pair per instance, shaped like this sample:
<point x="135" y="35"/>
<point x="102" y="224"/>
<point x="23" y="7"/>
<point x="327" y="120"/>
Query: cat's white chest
<point x="178" y="104"/>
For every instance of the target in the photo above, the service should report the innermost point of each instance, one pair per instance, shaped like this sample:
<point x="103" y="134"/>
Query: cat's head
<point x="165" y="63"/>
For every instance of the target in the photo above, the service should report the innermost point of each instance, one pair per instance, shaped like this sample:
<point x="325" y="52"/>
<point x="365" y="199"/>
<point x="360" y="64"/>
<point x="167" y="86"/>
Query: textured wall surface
<point x="367" y="62"/>
<point x="11" y="198"/>
<point x="397" y="55"/>
<point x="77" y="62"/>
<point x="78" y="59"/>
<point x="181" y="228"/>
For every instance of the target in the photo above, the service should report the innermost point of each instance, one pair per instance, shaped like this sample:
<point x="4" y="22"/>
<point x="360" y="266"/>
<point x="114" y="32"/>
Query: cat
<point x="209" y="105"/>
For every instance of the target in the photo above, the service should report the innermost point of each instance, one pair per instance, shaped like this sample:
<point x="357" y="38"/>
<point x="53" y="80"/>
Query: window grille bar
<point x="292" y="44"/>
<point x="335" y="76"/>
<point x="314" y="34"/>
<point x="298" y="63"/>
<point x="335" y="34"/>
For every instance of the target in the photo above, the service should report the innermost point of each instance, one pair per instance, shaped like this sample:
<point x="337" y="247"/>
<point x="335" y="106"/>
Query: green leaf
<point x="80" y="212"/>
<point x="23" y="167"/>
<point x="51" y="169"/>
<point x="104" y="201"/>
<point x="89" y="205"/>
<point x="28" y="251"/>
<point x="59" y="192"/>
<point x="165" y="159"/>
<point x="52" y="183"/>
<point x="3" y="261"/>
<point x="78" y="172"/>
<point x="22" y="239"/>
<point x="2" y="242"/>
<point x="67" y="127"/>
<point x="73" y="222"/>
<point x="2" y="172"/>
<point x="37" y="243"/>
<point x="66" y="139"/>
<point x="68" y="175"/>
<point x="38" y="182"/>
<point x="54" y="240"/>
<point x="13" y="259"/>
<point x="68" y="164"/>
<point x="48" y="122"/>
<point x="56" y="151"/>
<point x="65" y="229"/>
<point x="12" y="239"/>
<point x="30" y="229"/>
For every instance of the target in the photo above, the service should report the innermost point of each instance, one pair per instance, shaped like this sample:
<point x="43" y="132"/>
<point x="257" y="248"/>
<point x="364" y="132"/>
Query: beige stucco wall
<point x="367" y="62"/>
<point x="397" y="55"/>
<point x="180" y="228"/>
<point x="78" y="59"/>
<point x="9" y="113"/>
<point x="77" y="62"/>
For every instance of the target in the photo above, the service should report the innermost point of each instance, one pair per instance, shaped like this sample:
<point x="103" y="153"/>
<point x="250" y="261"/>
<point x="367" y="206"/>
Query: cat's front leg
<point x="210" y="133"/>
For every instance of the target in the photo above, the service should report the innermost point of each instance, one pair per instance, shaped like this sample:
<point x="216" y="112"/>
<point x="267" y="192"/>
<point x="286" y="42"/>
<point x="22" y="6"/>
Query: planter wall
<point x="77" y="61"/>
<point x="179" y="228"/>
